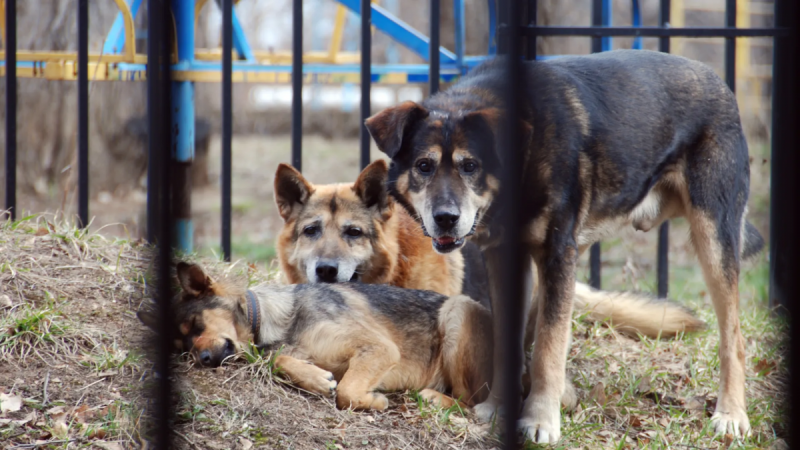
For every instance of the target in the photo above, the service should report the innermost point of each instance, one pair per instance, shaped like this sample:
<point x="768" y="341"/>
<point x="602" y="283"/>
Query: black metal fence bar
<point x="594" y="250"/>
<point x="530" y="18"/>
<point x="655" y="31"/>
<point x="227" y="124"/>
<point x="730" y="45"/>
<point x="784" y="182"/>
<point x="159" y="143"/>
<point x="297" y="84"/>
<point x="366" y="78"/>
<point x="511" y="312"/>
<point x="433" y="66"/>
<point x="11" y="107"/>
<point x="662" y="258"/>
<point x="83" y="112"/>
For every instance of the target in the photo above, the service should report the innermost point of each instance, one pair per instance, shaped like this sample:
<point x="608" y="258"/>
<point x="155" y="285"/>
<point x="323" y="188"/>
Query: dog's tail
<point x="636" y="313"/>
<point x="753" y="241"/>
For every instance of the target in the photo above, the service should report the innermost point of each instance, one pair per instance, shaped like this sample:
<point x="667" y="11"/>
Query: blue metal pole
<point x="607" y="19"/>
<point x="183" y="127"/>
<point x="461" y="34"/>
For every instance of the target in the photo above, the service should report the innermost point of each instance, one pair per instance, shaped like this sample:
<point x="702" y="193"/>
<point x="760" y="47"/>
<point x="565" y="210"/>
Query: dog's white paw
<point x="540" y="432"/>
<point x="733" y="421"/>
<point x="487" y="410"/>
<point x="541" y="421"/>
<point x="321" y="382"/>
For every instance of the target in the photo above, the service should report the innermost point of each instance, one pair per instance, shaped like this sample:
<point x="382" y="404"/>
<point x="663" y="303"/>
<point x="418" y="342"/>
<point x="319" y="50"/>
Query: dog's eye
<point x="469" y="166"/>
<point x="424" y="166"/>
<point x="311" y="230"/>
<point x="354" y="232"/>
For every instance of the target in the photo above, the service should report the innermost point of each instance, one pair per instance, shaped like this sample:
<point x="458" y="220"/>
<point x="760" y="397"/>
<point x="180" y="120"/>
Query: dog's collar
<point x="253" y="314"/>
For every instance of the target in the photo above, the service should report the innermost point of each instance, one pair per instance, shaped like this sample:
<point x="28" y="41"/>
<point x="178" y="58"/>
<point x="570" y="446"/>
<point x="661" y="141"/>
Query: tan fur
<point x="632" y="313"/>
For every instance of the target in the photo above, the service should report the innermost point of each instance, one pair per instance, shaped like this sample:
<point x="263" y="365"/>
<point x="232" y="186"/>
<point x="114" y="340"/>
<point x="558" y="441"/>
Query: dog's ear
<point x="489" y="120"/>
<point x="148" y="318"/>
<point x="193" y="280"/>
<point x="291" y="190"/>
<point x="370" y="186"/>
<point x="389" y="126"/>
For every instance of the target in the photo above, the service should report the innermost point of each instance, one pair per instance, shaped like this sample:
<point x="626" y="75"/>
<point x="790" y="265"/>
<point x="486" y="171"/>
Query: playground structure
<point x="119" y="61"/>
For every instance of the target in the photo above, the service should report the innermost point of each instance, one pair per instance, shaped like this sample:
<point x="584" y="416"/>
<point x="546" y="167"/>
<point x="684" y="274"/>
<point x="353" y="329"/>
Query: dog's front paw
<point x="730" y="421"/>
<point x="540" y="432"/>
<point x="541" y="422"/>
<point x="319" y="381"/>
<point x="487" y="410"/>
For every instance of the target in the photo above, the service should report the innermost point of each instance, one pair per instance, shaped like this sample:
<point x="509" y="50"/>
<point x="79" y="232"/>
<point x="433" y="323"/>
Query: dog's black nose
<point x="205" y="357"/>
<point x="445" y="219"/>
<point x="327" y="271"/>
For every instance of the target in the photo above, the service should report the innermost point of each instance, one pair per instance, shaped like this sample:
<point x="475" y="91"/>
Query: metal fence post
<point x="598" y="44"/>
<point x="512" y="260"/>
<point x="662" y="258"/>
<point x="366" y="79"/>
<point x="11" y="107"/>
<point x="83" y="112"/>
<point x="227" y="125"/>
<point x="160" y="143"/>
<point x="297" y="84"/>
<point x="433" y="60"/>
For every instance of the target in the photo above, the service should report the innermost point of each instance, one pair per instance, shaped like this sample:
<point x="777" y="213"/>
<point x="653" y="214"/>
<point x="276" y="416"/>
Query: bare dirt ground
<point x="74" y="363"/>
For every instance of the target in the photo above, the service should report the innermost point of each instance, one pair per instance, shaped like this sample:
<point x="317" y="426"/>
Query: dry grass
<point x="72" y="350"/>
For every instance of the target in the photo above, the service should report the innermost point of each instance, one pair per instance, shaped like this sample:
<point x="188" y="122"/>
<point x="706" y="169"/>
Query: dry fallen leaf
<point x="728" y="440"/>
<point x="245" y="444"/>
<point x="613" y="367"/>
<point x="598" y="394"/>
<point x="10" y="403"/>
<point x="764" y="367"/>
<point x="5" y="301"/>
<point x="60" y="429"/>
<point x="42" y="231"/>
<point x="645" y="385"/>
<point x="635" y="422"/>
<point x="109" y="445"/>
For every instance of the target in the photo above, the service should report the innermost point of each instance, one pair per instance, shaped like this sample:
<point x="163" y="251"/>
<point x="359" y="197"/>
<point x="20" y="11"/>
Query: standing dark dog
<point x="622" y="138"/>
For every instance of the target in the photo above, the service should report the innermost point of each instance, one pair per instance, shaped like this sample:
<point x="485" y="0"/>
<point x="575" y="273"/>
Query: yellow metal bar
<point x="45" y="56"/>
<point x="338" y="32"/>
<point x="677" y="17"/>
<point x="3" y="21"/>
<point x="67" y="71"/>
<point x="130" y="31"/>
<point x="268" y="57"/>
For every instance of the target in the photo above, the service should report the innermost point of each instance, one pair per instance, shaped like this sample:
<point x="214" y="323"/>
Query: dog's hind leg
<point x="371" y="362"/>
<point x="307" y="375"/>
<point x="716" y="194"/>
<point x="715" y="249"/>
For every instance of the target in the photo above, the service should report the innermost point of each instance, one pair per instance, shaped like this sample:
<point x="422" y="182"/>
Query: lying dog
<point x="340" y="232"/>
<point x="615" y="139"/>
<point x="368" y="338"/>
